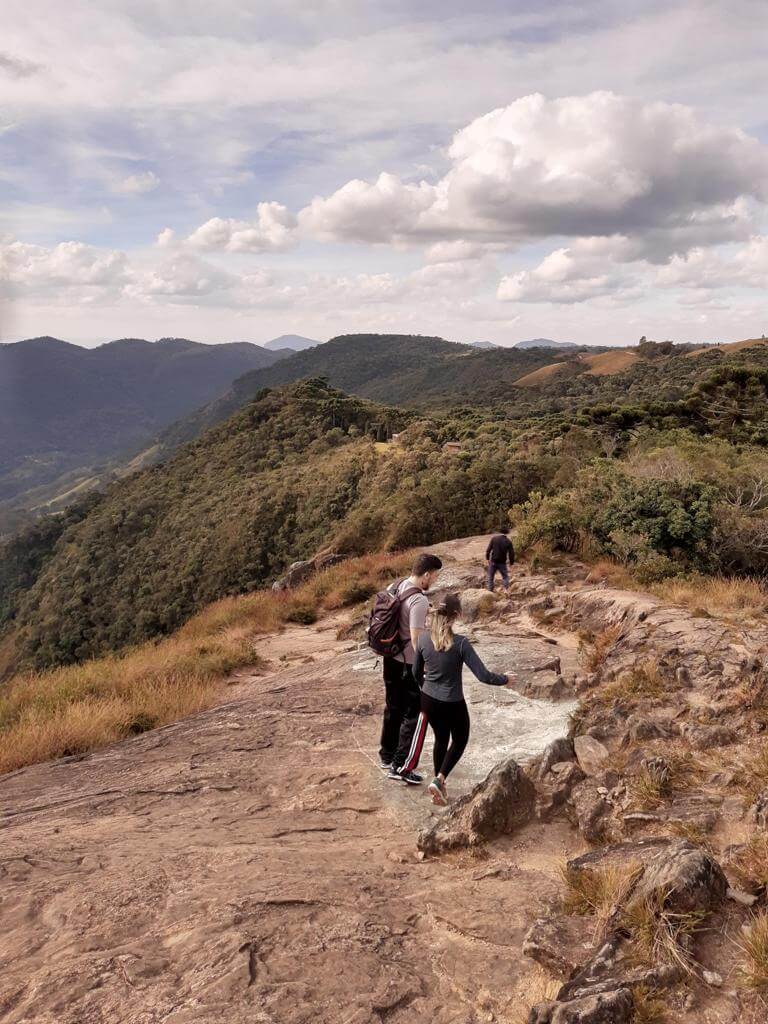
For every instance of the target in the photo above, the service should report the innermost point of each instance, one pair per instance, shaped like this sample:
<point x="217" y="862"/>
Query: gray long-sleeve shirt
<point x="438" y="673"/>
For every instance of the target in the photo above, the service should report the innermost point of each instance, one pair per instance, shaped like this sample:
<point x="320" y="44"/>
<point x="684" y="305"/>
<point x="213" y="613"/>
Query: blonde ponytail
<point x="443" y="618"/>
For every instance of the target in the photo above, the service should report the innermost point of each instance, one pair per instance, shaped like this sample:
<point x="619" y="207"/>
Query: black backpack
<point x="384" y="623"/>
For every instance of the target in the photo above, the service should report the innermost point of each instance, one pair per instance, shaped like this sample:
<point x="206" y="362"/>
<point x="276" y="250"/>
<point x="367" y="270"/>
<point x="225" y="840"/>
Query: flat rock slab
<point x="560" y="943"/>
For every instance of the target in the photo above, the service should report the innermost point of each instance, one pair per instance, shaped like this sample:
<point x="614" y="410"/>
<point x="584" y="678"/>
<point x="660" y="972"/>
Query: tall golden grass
<point x="716" y="595"/>
<point x="78" y="708"/>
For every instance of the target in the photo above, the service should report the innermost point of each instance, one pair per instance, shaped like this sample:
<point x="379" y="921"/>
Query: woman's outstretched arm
<point x="472" y="660"/>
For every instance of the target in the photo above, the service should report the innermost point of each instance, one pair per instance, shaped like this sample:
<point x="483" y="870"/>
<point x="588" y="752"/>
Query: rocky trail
<point x="252" y="863"/>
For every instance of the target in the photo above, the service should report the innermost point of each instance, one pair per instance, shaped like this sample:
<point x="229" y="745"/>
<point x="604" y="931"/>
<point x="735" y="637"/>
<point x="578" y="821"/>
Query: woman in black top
<point x="440" y="656"/>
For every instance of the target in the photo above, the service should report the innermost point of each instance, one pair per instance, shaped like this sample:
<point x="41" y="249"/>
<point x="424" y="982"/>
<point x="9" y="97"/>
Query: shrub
<point x="302" y="613"/>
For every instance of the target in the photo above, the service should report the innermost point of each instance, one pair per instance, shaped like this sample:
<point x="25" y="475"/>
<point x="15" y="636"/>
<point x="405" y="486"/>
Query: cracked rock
<point x="497" y="806"/>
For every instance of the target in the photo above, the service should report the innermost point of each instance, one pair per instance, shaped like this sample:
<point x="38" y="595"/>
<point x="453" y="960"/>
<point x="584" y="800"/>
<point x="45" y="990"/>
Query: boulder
<point x="557" y="751"/>
<point x="476" y="602"/>
<point x="299" y="572"/>
<point x="497" y="806"/>
<point x="705" y="737"/>
<point x="587" y="809"/>
<point x="561" y="943"/>
<point x="591" y="754"/>
<point x="640" y="727"/>
<point x="557" y="787"/>
<point x="296" y="573"/>
<point x="685" y="876"/>
<point x="616" y="1007"/>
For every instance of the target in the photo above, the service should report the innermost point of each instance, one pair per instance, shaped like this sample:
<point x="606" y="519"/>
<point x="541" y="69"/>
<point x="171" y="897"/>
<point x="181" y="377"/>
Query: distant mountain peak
<point x="295" y="341"/>
<point x="483" y="344"/>
<point x="545" y="343"/>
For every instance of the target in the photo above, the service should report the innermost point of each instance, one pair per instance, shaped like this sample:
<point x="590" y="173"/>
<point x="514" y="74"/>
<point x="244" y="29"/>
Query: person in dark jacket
<point x="439" y="657"/>
<point x="499" y="555"/>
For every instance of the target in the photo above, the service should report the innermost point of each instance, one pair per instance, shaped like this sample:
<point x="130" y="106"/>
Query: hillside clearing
<point x="605" y="364"/>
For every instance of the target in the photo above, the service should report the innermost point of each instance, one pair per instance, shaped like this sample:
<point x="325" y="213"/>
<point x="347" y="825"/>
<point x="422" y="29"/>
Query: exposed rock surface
<point x="587" y="809"/>
<point x="591" y="754"/>
<point x="475" y="602"/>
<point x="497" y="806"/>
<point x="299" y="572"/>
<point x="561" y="943"/>
<point x="616" y="1007"/>
<point x="687" y="878"/>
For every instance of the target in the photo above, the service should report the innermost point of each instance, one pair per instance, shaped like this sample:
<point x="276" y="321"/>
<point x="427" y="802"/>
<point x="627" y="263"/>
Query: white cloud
<point x="587" y="269"/>
<point x="274" y="228"/>
<point x="386" y="210"/>
<point x="599" y="164"/>
<point x="707" y="269"/>
<point x="458" y="249"/>
<point x="69" y="265"/>
<point x="136" y="184"/>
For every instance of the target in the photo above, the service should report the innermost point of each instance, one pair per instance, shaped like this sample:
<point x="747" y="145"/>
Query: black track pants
<point x="402" y="700"/>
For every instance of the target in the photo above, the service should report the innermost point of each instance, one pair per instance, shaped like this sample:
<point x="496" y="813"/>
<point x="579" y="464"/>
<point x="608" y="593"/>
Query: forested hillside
<point x="289" y="474"/>
<point x="401" y="369"/>
<point x="663" y="468"/>
<point x="62" y="405"/>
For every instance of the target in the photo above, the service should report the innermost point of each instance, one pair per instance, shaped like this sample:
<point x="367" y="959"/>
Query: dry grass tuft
<point x="650" y="786"/>
<point x="597" y="893"/>
<point x="754" y="773"/>
<point x="645" y="679"/>
<point x="649" y="1009"/>
<point x="691" y="831"/>
<point x="539" y="988"/>
<point x="754" y="962"/>
<point x="750" y="863"/>
<point x="595" y="648"/>
<point x="659" y="936"/>
<point x="716" y="595"/>
<point x="613" y="573"/>
<point x="78" y="708"/>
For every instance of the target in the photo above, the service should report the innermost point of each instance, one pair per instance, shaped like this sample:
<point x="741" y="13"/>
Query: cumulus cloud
<point x="69" y="265"/>
<point x="587" y="269"/>
<point x="386" y="210"/>
<point x="137" y="184"/>
<point x="273" y="228"/>
<point x="704" y="268"/>
<point x="599" y="164"/>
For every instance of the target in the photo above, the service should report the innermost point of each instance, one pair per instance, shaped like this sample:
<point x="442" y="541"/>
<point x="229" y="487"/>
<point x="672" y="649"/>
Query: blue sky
<point x="239" y="171"/>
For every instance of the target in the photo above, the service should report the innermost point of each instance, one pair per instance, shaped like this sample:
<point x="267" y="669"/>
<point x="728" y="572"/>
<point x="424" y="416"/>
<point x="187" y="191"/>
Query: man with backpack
<point x="398" y="618"/>
<point x="498" y="556"/>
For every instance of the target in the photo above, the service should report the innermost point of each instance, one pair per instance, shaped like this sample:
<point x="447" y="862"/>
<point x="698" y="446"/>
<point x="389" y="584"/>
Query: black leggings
<point x="450" y="723"/>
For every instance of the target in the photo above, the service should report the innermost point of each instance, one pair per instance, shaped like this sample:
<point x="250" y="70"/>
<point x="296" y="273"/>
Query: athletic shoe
<point x="436" y="790"/>
<point x="384" y="765"/>
<point x="394" y="774"/>
<point x="412" y="778"/>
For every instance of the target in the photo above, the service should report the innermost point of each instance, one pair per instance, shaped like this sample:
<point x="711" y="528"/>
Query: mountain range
<point x="62" y="405"/>
<point x="547" y="343"/>
<point x="286" y="463"/>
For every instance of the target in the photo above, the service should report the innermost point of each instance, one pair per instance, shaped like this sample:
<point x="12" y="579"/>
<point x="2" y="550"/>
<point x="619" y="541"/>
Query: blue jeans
<point x="493" y="568"/>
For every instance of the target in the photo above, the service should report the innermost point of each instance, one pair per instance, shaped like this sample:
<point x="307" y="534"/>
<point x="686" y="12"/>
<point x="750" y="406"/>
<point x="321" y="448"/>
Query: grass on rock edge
<point x="77" y="708"/>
